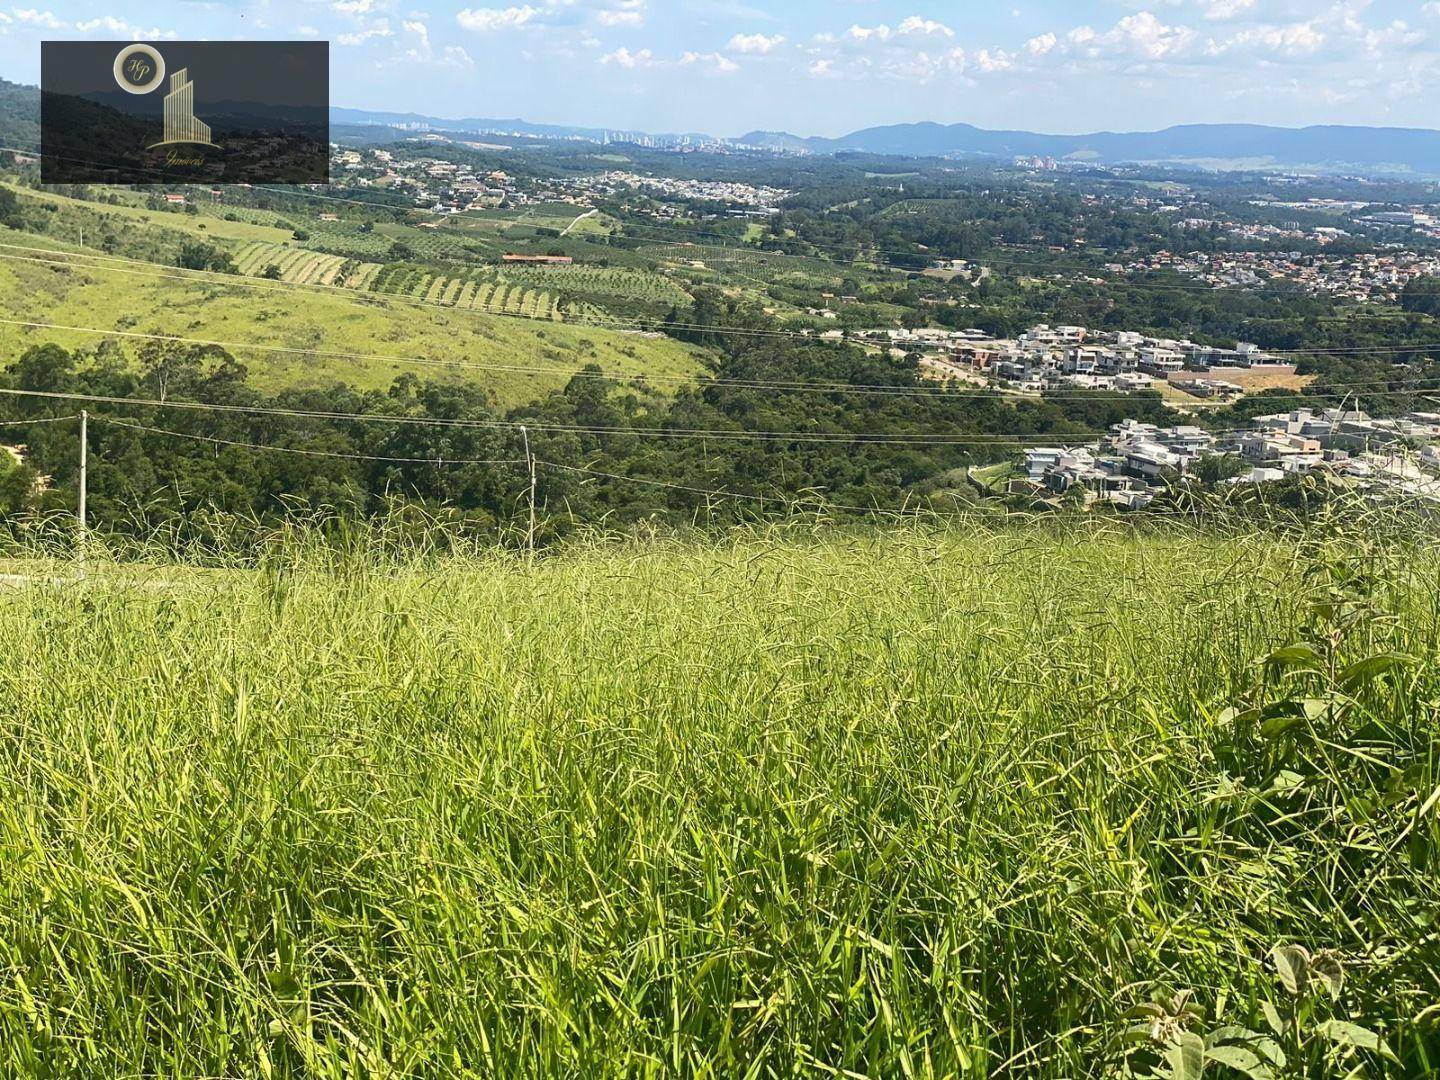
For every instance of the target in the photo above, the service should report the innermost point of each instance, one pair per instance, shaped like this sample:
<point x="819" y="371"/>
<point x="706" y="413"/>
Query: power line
<point x="881" y="439"/>
<point x="308" y="453"/>
<point x="941" y="393"/>
<point x="41" y="420"/>
<point x="817" y="386"/>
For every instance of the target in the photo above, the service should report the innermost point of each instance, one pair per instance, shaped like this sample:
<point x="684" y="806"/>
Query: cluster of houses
<point x="1367" y="278"/>
<point x="1052" y="357"/>
<point x="1397" y="457"/>
<point x="740" y="199"/>
<point x="438" y="185"/>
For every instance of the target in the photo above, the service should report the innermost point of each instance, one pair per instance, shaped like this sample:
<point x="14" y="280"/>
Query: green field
<point x="898" y="803"/>
<point x="144" y="299"/>
<point x="194" y="226"/>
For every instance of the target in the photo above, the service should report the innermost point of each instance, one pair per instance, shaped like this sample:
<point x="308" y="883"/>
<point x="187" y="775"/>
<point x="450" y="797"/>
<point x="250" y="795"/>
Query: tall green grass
<point x="902" y="802"/>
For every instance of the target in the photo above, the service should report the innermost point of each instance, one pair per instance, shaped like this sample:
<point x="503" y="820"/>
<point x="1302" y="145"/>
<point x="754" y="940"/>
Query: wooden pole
<point x="530" y="461"/>
<point x="81" y="509"/>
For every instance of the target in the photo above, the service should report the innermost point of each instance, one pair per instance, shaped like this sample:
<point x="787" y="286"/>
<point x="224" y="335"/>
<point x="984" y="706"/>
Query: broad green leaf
<point x="1365" y="671"/>
<point x="1229" y="1033"/>
<point x="1292" y="964"/>
<point x="1273" y="1018"/>
<point x="1186" y="1057"/>
<point x="1146" y="1009"/>
<point x="1137" y="1034"/>
<point x="1344" y="1033"/>
<point x="1295" y="656"/>
<point x="1241" y="1060"/>
<point x="1279" y="725"/>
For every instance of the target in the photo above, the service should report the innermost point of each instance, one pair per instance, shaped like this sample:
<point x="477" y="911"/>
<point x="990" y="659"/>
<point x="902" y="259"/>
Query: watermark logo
<point x="248" y="112"/>
<point x="181" y="125"/>
<point x="139" y="68"/>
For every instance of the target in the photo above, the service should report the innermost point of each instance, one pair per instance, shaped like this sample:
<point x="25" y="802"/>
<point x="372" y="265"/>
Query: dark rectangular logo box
<point x="219" y="112"/>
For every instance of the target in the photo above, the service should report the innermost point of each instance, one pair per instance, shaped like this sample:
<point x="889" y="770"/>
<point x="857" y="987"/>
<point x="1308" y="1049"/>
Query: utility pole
<point x="530" y="461"/>
<point x="84" y="469"/>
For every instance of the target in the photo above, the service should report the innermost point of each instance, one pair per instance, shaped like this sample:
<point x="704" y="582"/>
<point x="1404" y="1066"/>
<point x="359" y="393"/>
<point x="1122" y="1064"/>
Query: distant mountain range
<point x="1413" y="151"/>
<point x="1331" y="148"/>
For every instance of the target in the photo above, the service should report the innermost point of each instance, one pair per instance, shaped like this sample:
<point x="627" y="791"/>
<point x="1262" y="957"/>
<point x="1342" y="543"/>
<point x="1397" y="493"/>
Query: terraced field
<point x="474" y="292"/>
<point x="302" y="266"/>
<point x="599" y="284"/>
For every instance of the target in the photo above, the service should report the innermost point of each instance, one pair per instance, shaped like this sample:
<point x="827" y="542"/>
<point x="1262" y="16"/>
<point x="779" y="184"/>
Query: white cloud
<point x="48" y="21"/>
<point x="456" y="57"/>
<point x="867" y="33"/>
<point x="354" y="7"/>
<point x="378" y="29"/>
<point x="916" y="25"/>
<point x="992" y="60"/>
<point x="1041" y="45"/>
<point x="419" y="29"/>
<point x="625" y="13"/>
<point x="1147" y="36"/>
<point x="755" y="44"/>
<point x="1219" y="10"/>
<point x="109" y="25"/>
<point x="485" y="20"/>
<point x="623" y="57"/>
<point x="715" y="62"/>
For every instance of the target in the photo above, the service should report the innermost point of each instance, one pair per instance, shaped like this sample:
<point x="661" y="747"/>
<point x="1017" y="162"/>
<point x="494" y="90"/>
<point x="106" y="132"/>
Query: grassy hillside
<point x="120" y="215"/>
<point x="143" y="299"/>
<point x="905" y="803"/>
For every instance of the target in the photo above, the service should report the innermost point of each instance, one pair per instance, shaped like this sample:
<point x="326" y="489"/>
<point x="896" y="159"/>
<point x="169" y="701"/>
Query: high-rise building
<point x="181" y="126"/>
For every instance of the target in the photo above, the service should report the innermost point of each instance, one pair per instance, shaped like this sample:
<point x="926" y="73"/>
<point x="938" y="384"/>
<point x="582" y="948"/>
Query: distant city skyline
<point x="827" y="68"/>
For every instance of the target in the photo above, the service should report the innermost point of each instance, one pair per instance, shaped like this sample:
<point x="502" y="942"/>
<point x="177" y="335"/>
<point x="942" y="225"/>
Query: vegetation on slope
<point x="257" y="312"/>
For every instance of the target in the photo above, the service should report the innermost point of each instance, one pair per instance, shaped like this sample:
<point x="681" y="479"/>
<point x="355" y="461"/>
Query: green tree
<point x="10" y="209"/>
<point x="1422" y="296"/>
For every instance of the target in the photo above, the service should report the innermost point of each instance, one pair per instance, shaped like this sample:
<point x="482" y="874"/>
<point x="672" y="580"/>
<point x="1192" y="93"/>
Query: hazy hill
<point x="1329" y="148"/>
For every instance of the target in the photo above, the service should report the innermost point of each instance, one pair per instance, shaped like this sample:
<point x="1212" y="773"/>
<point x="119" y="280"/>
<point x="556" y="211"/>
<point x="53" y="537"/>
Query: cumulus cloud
<point x="714" y="62"/>
<point x="916" y="25"/>
<point x="47" y="20"/>
<point x="1220" y="10"/>
<point x="107" y="24"/>
<point x="1042" y="45"/>
<point x="624" y="58"/>
<point x="625" y="13"/>
<point x="380" y="28"/>
<point x="755" y="44"/>
<point x="486" y="20"/>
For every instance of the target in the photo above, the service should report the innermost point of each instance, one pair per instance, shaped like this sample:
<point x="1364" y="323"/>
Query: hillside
<point x="146" y="299"/>
<point x="982" y="801"/>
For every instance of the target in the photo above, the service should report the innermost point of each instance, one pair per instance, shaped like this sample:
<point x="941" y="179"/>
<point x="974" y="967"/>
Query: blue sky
<point x="825" y="66"/>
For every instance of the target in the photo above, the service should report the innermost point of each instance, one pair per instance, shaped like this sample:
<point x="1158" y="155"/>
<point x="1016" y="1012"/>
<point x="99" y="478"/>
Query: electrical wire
<point x="876" y="439"/>
<point x="40" y="420"/>
<point x="307" y="453"/>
